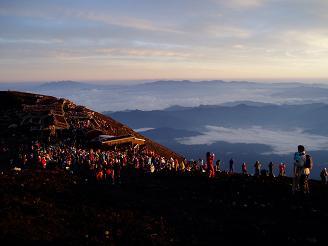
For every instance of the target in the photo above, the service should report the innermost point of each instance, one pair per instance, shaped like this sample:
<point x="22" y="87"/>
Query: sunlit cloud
<point x="228" y="32"/>
<point x="144" y="129"/>
<point x="143" y="53"/>
<point x="29" y="41"/>
<point x="242" y="3"/>
<point x="127" y="22"/>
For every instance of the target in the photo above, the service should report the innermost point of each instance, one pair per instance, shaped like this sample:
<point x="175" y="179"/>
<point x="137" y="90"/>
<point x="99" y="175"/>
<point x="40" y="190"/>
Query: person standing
<point x="299" y="161"/>
<point x="218" y="166"/>
<point x="231" y="166"/>
<point x="244" y="168"/>
<point x="271" y="166"/>
<point x="305" y="174"/>
<point x="210" y="164"/>
<point x="257" y="167"/>
<point x="323" y="176"/>
<point x="282" y="169"/>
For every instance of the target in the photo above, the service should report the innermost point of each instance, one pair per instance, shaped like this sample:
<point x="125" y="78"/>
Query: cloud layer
<point x="282" y="142"/>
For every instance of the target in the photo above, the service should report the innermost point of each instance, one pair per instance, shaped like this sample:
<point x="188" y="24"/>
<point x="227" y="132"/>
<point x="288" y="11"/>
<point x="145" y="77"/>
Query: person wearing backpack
<point x="299" y="162"/>
<point x="308" y="165"/>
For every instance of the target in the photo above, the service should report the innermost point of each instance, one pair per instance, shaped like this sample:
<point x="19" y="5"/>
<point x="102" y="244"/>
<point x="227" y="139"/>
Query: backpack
<point x="299" y="159"/>
<point x="308" y="162"/>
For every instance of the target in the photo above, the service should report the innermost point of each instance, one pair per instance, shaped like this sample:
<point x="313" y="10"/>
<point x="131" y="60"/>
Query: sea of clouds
<point x="281" y="142"/>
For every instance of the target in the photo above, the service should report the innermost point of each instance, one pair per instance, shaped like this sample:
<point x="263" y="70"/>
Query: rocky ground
<point x="54" y="206"/>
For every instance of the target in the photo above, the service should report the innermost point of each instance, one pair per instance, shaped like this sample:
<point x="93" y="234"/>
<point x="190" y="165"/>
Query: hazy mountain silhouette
<point x="303" y="92"/>
<point x="64" y="85"/>
<point x="311" y="117"/>
<point x="164" y="94"/>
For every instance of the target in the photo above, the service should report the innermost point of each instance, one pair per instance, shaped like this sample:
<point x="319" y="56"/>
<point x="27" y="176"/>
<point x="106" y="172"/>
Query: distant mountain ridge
<point x="163" y="94"/>
<point x="313" y="117"/>
<point x="68" y="84"/>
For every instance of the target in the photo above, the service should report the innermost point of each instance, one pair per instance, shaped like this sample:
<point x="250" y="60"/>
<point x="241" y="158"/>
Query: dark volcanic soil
<point x="57" y="207"/>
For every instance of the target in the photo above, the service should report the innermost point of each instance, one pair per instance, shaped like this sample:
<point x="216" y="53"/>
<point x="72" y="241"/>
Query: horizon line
<point x="141" y="81"/>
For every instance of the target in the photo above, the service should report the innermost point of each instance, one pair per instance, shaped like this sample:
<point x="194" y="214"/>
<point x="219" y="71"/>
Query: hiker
<point x="299" y="161"/>
<point x="210" y="165"/>
<point x="244" y="168"/>
<point x="202" y="166"/>
<point x="231" y="166"/>
<point x="304" y="180"/>
<point x="175" y="165"/>
<point x="218" y="166"/>
<point x="271" y="166"/>
<point x="183" y="165"/>
<point x="152" y="168"/>
<point x="257" y="167"/>
<point x="109" y="174"/>
<point x="43" y="162"/>
<point x="282" y="169"/>
<point x="117" y="167"/>
<point x="99" y="175"/>
<point x="324" y="176"/>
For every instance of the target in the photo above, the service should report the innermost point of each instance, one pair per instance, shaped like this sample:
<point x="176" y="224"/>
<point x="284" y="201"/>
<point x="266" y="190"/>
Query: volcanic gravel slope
<point x="53" y="206"/>
<point x="20" y="108"/>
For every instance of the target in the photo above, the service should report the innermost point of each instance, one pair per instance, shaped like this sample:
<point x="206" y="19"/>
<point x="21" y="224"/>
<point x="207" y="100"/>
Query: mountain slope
<point x="27" y="114"/>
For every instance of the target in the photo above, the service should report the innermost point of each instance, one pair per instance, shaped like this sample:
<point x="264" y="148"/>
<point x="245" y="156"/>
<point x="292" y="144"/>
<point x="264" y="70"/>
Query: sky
<point x="108" y="40"/>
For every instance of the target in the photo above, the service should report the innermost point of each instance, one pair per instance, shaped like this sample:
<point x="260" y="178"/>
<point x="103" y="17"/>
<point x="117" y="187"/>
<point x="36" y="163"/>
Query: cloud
<point x="123" y="21"/>
<point x="144" y="129"/>
<point x="142" y="52"/>
<point x="241" y="3"/>
<point x="30" y="41"/>
<point x="228" y="31"/>
<point x="282" y="142"/>
<point x="313" y="39"/>
<point x="210" y="39"/>
<point x="247" y="3"/>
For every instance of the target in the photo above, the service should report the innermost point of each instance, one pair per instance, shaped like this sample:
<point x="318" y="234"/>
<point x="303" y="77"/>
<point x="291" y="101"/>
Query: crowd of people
<point x="108" y="165"/>
<point x="302" y="167"/>
<point x="257" y="167"/>
<point x="103" y="165"/>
